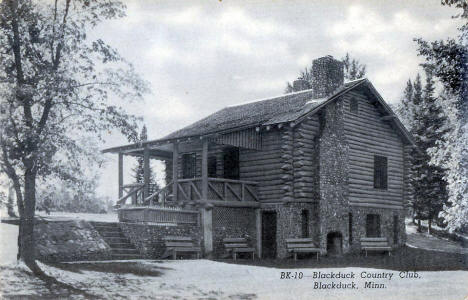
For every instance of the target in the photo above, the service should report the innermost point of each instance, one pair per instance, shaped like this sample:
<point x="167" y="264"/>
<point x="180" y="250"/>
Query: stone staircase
<point x="121" y="247"/>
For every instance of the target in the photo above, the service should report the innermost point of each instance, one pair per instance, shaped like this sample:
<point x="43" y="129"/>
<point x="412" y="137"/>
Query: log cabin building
<point x="329" y="163"/>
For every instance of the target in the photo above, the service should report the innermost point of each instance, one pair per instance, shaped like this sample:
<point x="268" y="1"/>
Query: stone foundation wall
<point x="69" y="241"/>
<point x="233" y="222"/>
<point x="289" y="223"/>
<point x="148" y="238"/>
<point x="386" y="225"/>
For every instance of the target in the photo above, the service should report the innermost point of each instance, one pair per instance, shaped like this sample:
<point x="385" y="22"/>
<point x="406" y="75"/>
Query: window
<point x="350" y="227"/>
<point x="305" y="223"/>
<point x="373" y="225"/>
<point x="212" y="166"/>
<point x="380" y="172"/>
<point x="354" y="106"/>
<point x="396" y="230"/>
<point x="231" y="163"/>
<point x="189" y="165"/>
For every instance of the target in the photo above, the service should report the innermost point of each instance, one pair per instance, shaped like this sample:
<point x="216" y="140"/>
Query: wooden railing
<point x="158" y="214"/>
<point x="134" y="192"/>
<point x="219" y="189"/>
<point x="161" y="196"/>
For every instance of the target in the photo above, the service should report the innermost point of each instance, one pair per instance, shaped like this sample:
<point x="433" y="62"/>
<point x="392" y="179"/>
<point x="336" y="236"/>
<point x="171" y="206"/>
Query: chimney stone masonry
<point x="327" y="76"/>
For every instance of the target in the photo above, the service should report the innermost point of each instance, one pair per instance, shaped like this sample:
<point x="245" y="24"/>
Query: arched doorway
<point x="334" y="243"/>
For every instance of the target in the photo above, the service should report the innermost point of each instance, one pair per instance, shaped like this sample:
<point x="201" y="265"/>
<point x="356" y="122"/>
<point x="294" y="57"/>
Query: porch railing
<point x="134" y="192"/>
<point x="158" y="214"/>
<point x="219" y="189"/>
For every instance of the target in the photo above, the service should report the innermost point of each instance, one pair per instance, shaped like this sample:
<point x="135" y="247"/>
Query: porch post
<point x="146" y="172"/>
<point x="175" y="169"/>
<point x="204" y="169"/>
<point x="258" y="221"/>
<point x="120" y="175"/>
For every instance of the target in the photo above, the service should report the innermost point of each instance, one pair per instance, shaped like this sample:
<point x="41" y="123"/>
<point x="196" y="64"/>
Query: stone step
<point x="105" y="224"/>
<point x="121" y="247"/>
<point x="112" y="234"/>
<point x="125" y="251"/>
<point x="127" y="256"/>
<point x="106" y="228"/>
<point x="113" y="240"/>
<point x="126" y="245"/>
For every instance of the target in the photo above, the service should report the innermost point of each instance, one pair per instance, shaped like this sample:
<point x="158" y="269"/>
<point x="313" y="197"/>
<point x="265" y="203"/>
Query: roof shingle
<point x="275" y="110"/>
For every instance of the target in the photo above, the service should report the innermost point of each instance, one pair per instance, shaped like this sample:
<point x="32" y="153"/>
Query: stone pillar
<point x="207" y="227"/>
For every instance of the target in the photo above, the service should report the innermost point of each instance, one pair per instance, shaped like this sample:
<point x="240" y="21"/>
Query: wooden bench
<point x="304" y="245"/>
<point x="180" y="244"/>
<point x="375" y="244"/>
<point x="237" y="245"/>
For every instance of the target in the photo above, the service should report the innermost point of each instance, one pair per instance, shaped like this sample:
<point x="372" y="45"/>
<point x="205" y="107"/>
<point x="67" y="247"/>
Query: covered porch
<point x="199" y="171"/>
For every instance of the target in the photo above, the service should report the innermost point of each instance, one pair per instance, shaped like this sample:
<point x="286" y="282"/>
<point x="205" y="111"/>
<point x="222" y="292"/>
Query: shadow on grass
<point x="127" y="267"/>
<point x="404" y="259"/>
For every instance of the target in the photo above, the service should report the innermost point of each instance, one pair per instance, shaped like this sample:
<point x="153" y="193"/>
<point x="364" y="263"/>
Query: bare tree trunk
<point x="419" y="225"/>
<point x="429" y="225"/>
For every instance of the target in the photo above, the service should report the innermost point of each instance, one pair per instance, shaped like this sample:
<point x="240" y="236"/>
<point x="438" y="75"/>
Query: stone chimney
<point x="327" y="76"/>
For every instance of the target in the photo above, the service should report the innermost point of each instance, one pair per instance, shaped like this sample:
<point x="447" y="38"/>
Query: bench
<point x="304" y="245"/>
<point x="375" y="244"/>
<point x="180" y="244"/>
<point x="237" y="245"/>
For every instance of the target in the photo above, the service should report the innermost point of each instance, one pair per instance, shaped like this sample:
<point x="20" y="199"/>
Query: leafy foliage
<point x="58" y="89"/>
<point x="428" y="127"/>
<point x="448" y="60"/>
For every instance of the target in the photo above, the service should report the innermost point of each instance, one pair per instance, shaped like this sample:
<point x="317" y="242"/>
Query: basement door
<point x="269" y="234"/>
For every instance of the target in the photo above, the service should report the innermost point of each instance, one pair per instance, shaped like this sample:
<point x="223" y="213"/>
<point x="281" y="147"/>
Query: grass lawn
<point x="441" y="276"/>
<point x="404" y="259"/>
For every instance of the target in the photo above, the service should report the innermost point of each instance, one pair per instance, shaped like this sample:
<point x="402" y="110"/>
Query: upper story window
<point x="212" y="163"/>
<point x="380" y="172"/>
<point x="354" y="106"/>
<point x="231" y="162"/>
<point x="189" y="165"/>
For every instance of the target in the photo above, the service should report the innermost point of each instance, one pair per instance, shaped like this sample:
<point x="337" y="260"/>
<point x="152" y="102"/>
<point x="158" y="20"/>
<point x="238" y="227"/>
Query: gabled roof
<point x="281" y="109"/>
<point x="293" y="107"/>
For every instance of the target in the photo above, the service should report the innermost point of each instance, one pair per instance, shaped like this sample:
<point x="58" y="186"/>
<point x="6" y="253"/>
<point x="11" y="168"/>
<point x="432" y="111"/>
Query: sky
<point x="200" y="56"/>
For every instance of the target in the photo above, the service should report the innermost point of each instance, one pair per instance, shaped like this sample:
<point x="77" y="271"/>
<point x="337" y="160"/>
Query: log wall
<point x="265" y="166"/>
<point x="306" y="160"/>
<point x="368" y="135"/>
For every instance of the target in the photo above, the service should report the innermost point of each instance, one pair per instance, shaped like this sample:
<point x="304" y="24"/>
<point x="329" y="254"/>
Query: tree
<point x="429" y="128"/>
<point x="57" y="87"/>
<point x="353" y="70"/>
<point x="404" y="109"/>
<point x="448" y="59"/>
<point x="138" y="170"/>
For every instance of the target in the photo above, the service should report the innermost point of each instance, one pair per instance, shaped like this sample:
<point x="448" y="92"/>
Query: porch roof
<point x="282" y="109"/>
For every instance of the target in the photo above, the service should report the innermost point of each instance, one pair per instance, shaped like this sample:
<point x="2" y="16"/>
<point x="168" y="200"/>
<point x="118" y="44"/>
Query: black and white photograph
<point x="234" y="149"/>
